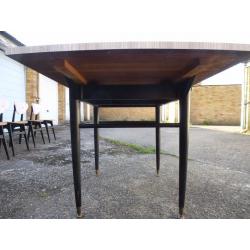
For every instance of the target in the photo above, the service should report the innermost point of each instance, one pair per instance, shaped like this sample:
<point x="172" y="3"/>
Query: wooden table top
<point x="129" y="63"/>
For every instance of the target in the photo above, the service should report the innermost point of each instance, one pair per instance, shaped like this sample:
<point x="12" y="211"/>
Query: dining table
<point x="130" y="74"/>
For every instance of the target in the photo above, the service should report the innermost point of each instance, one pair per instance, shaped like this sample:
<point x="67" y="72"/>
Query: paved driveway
<point x="38" y="184"/>
<point x="227" y="150"/>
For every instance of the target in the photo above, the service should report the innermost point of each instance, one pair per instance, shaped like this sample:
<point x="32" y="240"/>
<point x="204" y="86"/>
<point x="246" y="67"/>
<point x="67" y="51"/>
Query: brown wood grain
<point x="131" y="63"/>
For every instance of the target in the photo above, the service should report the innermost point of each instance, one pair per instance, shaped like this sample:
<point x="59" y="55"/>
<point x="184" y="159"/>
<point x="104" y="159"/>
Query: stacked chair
<point x="35" y="110"/>
<point x="19" y="127"/>
<point x="4" y="126"/>
<point x="2" y="138"/>
<point x="22" y="128"/>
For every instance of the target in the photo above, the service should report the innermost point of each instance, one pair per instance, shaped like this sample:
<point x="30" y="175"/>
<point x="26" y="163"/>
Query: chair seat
<point x="39" y="121"/>
<point x="19" y="122"/>
<point x="3" y="123"/>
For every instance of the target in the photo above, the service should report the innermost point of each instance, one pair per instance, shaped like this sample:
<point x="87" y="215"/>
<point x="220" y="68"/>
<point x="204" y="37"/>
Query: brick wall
<point x="216" y="105"/>
<point x="61" y="104"/>
<point x="213" y="105"/>
<point x="32" y="94"/>
<point x="127" y="114"/>
<point x="32" y="87"/>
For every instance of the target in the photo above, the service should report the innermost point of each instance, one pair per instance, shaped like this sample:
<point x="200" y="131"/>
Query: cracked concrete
<point x="39" y="183"/>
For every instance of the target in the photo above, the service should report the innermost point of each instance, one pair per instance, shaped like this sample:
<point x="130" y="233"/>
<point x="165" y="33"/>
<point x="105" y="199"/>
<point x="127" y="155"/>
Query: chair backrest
<point x="20" y="108"/>
<point x="35" y="110"/>
<point x="4" y="105"/>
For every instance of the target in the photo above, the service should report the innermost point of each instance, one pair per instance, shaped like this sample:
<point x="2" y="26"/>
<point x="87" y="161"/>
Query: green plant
<point x="205" y="122"/>
<point x="138" y="148"/>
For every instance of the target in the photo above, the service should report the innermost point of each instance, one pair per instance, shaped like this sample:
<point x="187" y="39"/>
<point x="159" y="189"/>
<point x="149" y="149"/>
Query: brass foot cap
<point x="181" y="213"/>
<point x="79" y="215"/>
<point x="97" y="172"/>
<point x="158" y="173"/>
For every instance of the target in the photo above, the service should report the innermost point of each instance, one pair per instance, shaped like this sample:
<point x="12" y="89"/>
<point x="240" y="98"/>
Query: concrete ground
<point x="38" y="184"/>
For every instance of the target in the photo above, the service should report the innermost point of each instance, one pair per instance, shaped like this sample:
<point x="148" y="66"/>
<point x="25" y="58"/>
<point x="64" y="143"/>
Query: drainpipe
<point x="248" y="99"/>
<point x="245" y="100"/>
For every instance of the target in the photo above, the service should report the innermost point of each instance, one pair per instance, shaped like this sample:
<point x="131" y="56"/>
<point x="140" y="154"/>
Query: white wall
<point x="67" y="115"/>
<point x="48" y="94"/>
<point x="12" y="83"/>
<point x="233" y="75"/>
<point x="67" y="110"/>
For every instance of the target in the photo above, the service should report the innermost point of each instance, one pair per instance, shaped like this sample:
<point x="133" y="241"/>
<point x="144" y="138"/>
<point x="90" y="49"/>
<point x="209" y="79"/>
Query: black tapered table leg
<point x="75" y="146"/>
<point x="183" y="151"/>
<point x="157" y="136"/>
<point x="96" y="138"/>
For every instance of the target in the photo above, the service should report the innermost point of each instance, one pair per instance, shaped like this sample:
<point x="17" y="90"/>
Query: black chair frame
<point x="47" y="123"/>
<point x="2" y="139"/>
<point x="18" y="128"/>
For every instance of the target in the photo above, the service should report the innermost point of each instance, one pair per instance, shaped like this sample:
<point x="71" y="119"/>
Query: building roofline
<point x="11" y="38"/>
<point x="2" y="47"/>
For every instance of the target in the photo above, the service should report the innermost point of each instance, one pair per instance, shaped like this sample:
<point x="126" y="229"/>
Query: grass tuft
<point x="138" y="148"/>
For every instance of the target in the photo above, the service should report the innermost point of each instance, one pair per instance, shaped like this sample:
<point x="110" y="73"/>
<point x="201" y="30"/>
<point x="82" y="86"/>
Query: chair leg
<point x="53" y="130"/>
<point x="41" y="131"/>
<point x="20" y="136"/>
<point x="32" y="134"/>
<point x="11" y="140"/>
<point x="6" y="149"/>
<point x="35" y="131"/>
<point x="47" y="130"/>
<point x="29" y="130"/>
<point x="5" y="145"/>
<point x="26" y="140"/>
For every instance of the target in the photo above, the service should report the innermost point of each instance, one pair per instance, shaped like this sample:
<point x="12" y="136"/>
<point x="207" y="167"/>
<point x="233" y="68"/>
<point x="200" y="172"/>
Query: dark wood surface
<point x="131" y="63"/>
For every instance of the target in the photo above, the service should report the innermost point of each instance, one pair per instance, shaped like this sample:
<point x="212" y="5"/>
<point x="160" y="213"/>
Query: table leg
<point x="157" y="134"/>
<point x="96" y="138"/>
<point x="183" y="151"/>
<point x="75" y="146"/>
